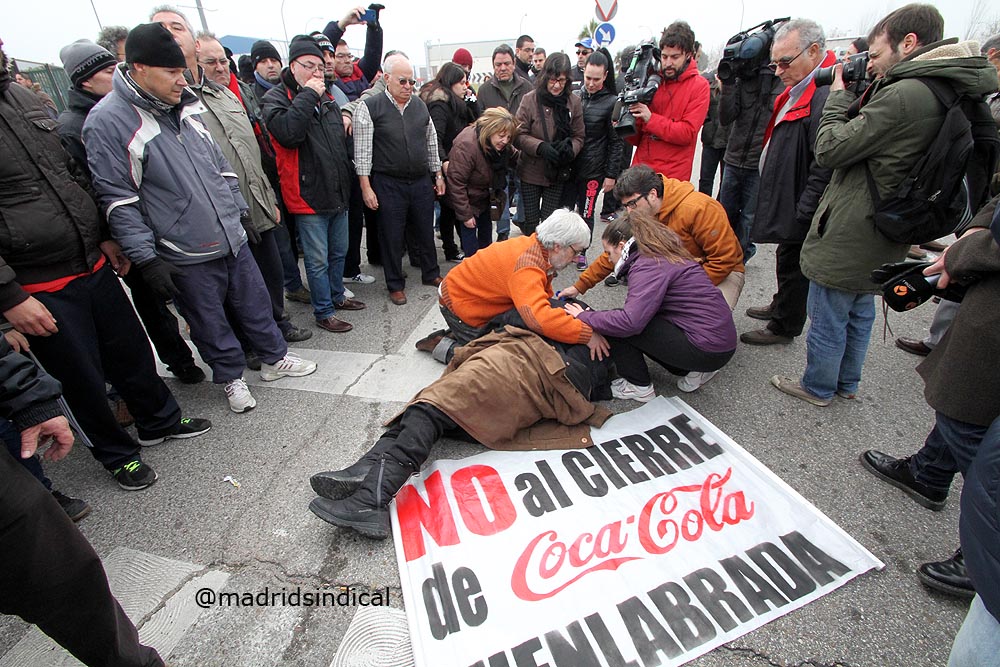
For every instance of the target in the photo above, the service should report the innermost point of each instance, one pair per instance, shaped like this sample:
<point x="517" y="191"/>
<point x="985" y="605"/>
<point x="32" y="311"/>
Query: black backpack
<point x="950" y="182"/>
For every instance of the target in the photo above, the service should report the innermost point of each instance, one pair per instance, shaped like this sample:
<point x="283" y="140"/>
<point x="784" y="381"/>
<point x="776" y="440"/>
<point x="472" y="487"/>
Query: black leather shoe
<point x="948" y="576"/>
<point x="760" y="313"/>
<point x="913" y="346"/>
<point x="897" y="472"/>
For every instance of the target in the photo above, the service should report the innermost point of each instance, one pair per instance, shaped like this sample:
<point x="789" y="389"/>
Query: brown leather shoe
<point x="350" y="304"/>
<point x="764" y="337"/>
<point x="334" y="325"/>
<point x="398" y="298"/>
<point x="428" y="343"/>
<point x="913" y="346"/>
<point x="434" y="283"/>
<point x="759" y="313"/>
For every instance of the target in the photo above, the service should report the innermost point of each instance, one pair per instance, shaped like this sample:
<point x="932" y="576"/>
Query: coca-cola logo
<point x="551" y="563"/>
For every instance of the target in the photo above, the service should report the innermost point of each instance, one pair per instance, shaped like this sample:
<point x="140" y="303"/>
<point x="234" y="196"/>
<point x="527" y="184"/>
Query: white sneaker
<point x="622" y="388"/>
<point x="348" y="294"/>
<point x="240" y="399"/>
<point x="694" y="380"/>
<point x="362" y="278"/>
<point x="290" y="366"/>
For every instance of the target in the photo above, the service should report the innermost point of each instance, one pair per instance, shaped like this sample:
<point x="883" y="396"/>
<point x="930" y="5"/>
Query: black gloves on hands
<point x="159" y="276"/>
<point x="549" y="152"/>
<point x="253" y="236"/>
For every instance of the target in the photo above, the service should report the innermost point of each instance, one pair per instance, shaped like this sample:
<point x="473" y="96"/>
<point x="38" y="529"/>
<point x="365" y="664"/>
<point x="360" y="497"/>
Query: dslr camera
<point x="641" y="81"/>
<point x="745" y="53"/>
<point x="855" y="69"/>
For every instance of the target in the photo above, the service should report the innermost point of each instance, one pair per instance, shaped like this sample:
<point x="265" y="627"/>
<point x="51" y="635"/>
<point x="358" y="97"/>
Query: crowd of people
<point x="197" y="179"/>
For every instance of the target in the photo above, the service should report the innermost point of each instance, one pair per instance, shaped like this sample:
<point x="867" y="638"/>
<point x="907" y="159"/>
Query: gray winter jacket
<point x="163" y="182"/>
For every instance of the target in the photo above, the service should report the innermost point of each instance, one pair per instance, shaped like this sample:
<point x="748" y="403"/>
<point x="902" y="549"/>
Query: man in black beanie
<point x="266" y="63"/>
<point x="59" y="291"/>
<point x="173" y="202"/>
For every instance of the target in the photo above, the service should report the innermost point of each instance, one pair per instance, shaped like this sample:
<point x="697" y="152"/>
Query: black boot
<point x="366" y="511"/>
<point x="948" y="576"/>
<point x="339" y="484"/>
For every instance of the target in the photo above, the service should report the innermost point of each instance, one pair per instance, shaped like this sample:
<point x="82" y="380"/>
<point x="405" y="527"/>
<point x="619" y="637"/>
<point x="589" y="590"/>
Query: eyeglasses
<point x="785" y="63"/>
<point x="631" y="205"/>
<point x="406" y="82"/>
<point x="212" y="62"/>
<point x="578" y="251"/>
<point x="343" y="56"/>
<point x="561" y="81"/>
<point x="309" y="68"/>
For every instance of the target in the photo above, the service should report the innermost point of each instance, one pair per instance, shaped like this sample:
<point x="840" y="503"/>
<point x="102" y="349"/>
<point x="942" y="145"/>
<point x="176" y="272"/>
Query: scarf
<point x="560" y="113"/>
<point x="621" y="260"/>
<point x="153" y="101"/>
<point x="264" y="83"/>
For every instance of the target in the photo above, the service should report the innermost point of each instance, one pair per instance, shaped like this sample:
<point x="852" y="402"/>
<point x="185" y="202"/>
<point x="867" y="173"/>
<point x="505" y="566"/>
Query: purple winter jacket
<point x="679" y="293"/>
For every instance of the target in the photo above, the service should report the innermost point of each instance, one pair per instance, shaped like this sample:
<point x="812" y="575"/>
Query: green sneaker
<point x="134" y="476"/>
<point x="188" y="427"/>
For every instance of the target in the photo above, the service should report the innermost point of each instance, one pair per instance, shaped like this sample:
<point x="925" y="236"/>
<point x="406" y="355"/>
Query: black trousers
<point x="53" y="579"/>
<point x="100" y="340"/>
<point x="361" y="221"/>
<point x="406" y="217"/>
<point x="666" y="344"/>
<point x="414" y="434"/>
<point x="447" y="222"/>
<point x="788" y="305"/>
<point x="711" y="160"/>
<point x="539" y="203"/>
<point x="268" y="261"/>
<point x="160" y="323"/>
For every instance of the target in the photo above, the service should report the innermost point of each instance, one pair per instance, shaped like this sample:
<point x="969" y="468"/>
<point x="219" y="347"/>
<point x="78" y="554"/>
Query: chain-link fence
<point x="52" y="79"/>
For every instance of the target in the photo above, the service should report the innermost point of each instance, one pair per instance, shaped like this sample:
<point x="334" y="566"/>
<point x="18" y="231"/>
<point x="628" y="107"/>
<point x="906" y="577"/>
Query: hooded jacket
<point x="791" y="182"/>
<point x="450" y="117"/>
<point x="702" y="226"/>
<point x="311" y="148"/>
<point x="161" y="178"/>
<point x="899" y="118"/>
<point x="601" y="156"/>
<point x="49" y="225"/>
<point x="229" y="124"/>
<point x="667" y="142"/>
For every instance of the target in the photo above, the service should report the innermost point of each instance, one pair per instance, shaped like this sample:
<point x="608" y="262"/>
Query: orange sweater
<point x="512" y="274"/>
<point x="703" y="227"/>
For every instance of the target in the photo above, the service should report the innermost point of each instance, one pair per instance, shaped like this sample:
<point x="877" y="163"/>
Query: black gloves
<point x="253" y="236"/>
<point x="549" y="152"/>
<point x="159" y="276"/>
<point x="565" y="148"/>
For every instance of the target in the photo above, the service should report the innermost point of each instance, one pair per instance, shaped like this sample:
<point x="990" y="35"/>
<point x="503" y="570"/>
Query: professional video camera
<point x="855" y="69"/>
<point x="641" y="81"/>
<point x="748" y="51"/>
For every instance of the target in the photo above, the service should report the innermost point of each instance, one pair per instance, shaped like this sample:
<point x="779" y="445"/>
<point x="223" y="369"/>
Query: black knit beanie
<point x="263" y="49"/>
<point x="152" y="44"/>
<point x="303" y="45"/>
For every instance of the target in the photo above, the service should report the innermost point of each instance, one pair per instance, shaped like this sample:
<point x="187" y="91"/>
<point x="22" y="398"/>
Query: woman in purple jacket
<point x="672" y="313"/>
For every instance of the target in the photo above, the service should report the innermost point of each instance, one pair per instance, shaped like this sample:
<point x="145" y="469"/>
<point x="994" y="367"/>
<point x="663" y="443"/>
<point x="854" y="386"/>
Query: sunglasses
<point x="404" y="81"/>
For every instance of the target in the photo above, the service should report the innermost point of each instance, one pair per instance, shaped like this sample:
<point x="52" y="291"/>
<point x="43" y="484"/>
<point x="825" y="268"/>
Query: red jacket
<point x="667" y="142"/>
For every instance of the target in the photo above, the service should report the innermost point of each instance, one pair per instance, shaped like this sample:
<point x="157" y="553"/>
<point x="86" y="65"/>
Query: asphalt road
<point x="260" y="535"/>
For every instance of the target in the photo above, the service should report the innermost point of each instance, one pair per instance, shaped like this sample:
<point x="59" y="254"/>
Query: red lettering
<point x="416" y="515"/>
<point x="470" y="503"/>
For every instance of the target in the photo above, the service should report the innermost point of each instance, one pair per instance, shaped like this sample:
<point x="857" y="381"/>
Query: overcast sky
<point x="37" y="30"/>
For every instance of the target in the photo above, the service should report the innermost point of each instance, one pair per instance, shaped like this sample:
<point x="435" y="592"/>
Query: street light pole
<point x="284" y="29"/>
<point x="94" y="7"/>
<point x="201" y="14"/>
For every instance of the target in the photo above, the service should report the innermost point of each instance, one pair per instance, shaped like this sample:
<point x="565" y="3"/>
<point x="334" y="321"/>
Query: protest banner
<point x="659" y="543"/>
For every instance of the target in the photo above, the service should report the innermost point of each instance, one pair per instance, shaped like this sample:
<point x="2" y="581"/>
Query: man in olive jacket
<point x="897" y="120"/>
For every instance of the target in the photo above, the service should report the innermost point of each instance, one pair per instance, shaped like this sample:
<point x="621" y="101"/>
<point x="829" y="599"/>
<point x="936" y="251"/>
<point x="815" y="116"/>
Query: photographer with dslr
<point x="749" y="89"/>
<point x="791" y="182"/>
<point x="880" y="136"/>
<point x="667" y="128"/>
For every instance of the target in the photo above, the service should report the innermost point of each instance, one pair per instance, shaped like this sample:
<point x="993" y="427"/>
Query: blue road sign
<point x="605" y="34"/>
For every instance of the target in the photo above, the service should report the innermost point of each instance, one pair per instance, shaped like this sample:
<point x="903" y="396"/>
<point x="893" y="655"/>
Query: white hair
<point x="565" y="228"/>
<point x="809" y="31"/>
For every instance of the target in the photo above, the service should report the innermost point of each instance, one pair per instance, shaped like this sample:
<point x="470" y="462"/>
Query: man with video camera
<point x="882" y="134"/>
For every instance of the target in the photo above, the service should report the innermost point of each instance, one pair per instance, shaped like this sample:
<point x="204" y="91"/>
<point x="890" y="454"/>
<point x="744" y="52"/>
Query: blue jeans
<point x="977" y="643"/>
<point x="837" y="342"/>
<point x="738" y="195"/>
<point x="949" y="448"/>
<point x="324" y="248"/>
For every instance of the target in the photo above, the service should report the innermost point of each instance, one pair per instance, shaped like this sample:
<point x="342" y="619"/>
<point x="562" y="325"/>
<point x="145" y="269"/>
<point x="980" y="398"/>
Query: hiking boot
<point x="366" y="510"/>
<point x="622" y="388"/>
<point x="75" y="508"/>
<point x="290" y="365"/>
<point x="694" y="381"/>
<point x="948" y="576"/>
<point x="339" y="484"/>
<point x="240" y="398"/>
<point x="293" y="335"/>
<point x="188" y="427"/>
<point x="794" y="388"/>
<point x="301" y="295"/>
<point x="188" y="374"/>
<point x="134" y="475"/>
<point x="897" y="473"/>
